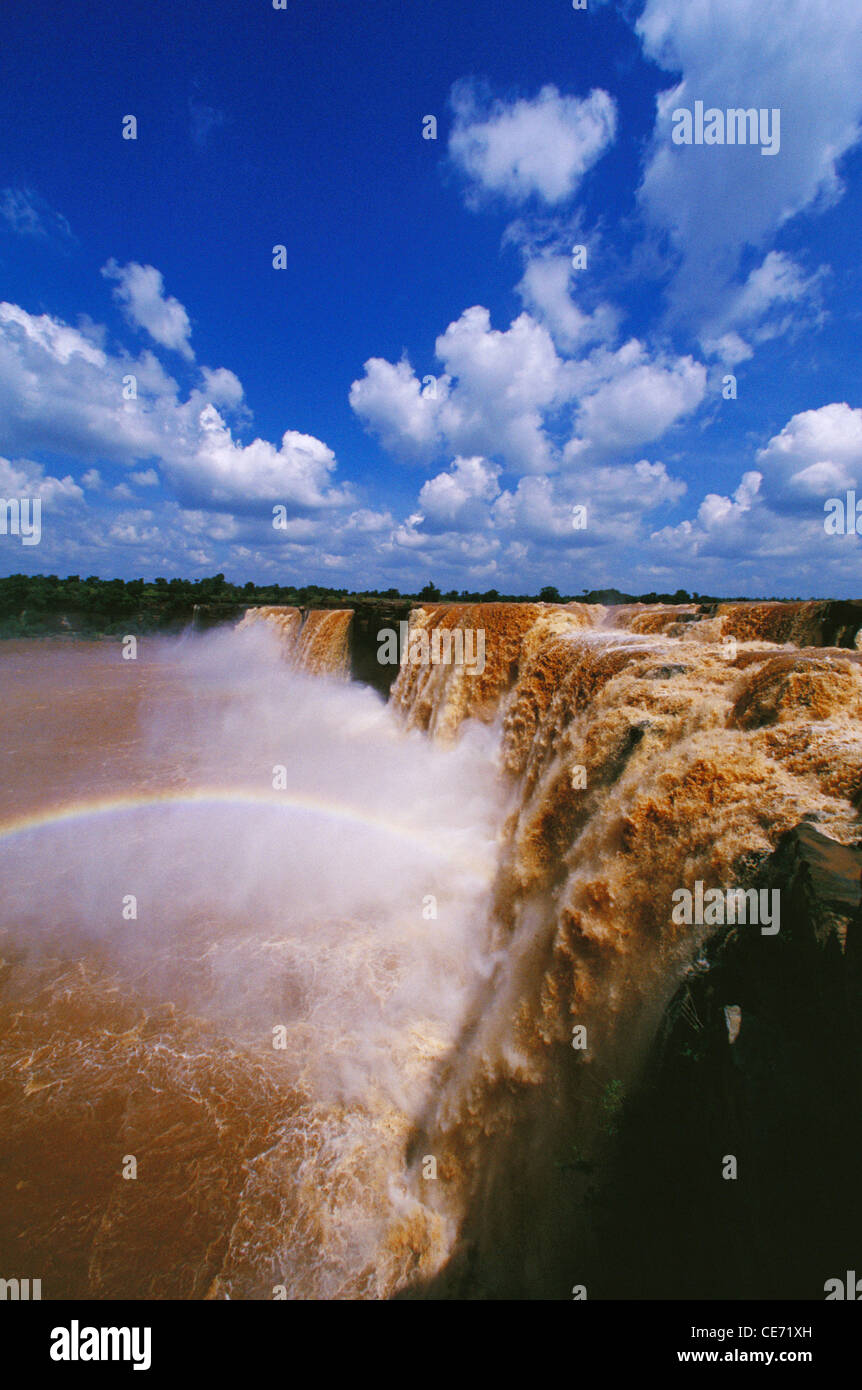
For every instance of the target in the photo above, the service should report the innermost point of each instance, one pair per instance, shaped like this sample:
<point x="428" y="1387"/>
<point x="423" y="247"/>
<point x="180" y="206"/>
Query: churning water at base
<point x="245" y="917"/>
<point x="310" y="964"/>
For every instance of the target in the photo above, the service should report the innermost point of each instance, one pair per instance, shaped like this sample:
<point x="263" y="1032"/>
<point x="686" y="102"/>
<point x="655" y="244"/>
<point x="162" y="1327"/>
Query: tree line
<point x="32" y="605"/>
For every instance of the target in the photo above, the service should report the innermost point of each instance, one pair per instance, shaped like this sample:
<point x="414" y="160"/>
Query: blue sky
<point x="551" y="387"/>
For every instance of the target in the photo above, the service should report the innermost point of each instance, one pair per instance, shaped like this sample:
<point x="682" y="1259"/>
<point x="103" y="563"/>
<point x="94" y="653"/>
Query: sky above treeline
<point x="371" y="294"/>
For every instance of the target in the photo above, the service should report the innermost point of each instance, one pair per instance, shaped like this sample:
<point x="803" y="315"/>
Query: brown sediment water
<point x="426" y="898"/>
<point x="318" y="643"/>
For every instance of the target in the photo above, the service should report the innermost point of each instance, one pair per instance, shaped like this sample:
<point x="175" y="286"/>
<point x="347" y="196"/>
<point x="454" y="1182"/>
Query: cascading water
<point x="315" y="961"/>
<point x="318" y="644"/>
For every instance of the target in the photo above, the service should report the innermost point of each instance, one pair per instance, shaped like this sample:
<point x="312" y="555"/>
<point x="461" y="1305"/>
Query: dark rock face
<point x="842" y="619"/>
<point x="759" y="1056"/>
<point x="805" y="623"/>
<point x="665" y="673"/>
<point x="369" y="620"/>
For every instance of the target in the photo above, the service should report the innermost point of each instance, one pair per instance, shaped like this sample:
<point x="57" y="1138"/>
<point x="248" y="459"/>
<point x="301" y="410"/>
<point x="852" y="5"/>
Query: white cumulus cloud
<point x="545" y="292"/>
<point x="447" y="499"/>
<point x="801" y="57"/>
<point x="141" y="291"/>
<point x="60" y="392"/>
<point x="817" y="453"/>
<point x="540" y="147"/>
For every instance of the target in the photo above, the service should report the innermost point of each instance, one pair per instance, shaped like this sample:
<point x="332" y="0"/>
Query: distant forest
<point x="37" y="605"/>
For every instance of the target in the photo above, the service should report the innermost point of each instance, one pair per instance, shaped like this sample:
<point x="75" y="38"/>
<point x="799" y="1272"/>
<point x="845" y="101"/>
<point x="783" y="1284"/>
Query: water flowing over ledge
<point x="547" y="807"/>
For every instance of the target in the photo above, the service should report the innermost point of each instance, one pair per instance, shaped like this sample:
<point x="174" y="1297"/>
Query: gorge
<point x="577" y="1061"/>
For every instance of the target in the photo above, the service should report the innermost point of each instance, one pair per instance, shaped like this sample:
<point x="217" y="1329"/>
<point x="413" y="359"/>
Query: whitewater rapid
<point x="315" y="961"/>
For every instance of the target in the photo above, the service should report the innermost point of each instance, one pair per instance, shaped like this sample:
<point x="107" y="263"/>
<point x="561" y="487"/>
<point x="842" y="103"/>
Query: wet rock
<point x="808" y="623"/>
<point x="791" y="682"/>
<point x="758" y="1055"/>
<point x="733" y="1019"/>
<point x="664" y="673"/>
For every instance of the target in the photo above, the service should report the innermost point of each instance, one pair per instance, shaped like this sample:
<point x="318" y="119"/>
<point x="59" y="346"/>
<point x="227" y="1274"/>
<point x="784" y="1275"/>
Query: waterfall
<point x="392" y="968"/>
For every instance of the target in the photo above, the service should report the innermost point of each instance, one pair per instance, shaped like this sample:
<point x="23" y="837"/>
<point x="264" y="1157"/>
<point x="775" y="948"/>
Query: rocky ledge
<point x="758" y="1058"/>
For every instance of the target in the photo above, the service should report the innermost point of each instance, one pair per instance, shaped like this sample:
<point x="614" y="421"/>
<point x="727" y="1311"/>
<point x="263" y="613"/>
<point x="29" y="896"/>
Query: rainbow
<point x="48" y="818"/>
